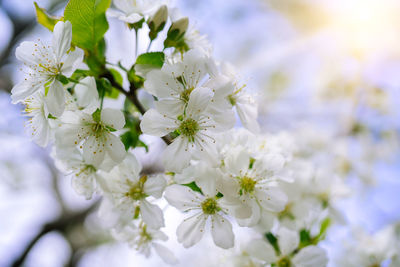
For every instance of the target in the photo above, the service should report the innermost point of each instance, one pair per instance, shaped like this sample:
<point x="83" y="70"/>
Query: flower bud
<point x="176" y="33"/>
<point x="157" y="21"/>
<point x="180" y="26"/>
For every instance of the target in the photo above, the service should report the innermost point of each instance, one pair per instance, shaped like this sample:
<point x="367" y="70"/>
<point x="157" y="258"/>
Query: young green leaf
<point x="45" y="19"/>
<point x="88" y="19"/>
<point x="153" y="59"/>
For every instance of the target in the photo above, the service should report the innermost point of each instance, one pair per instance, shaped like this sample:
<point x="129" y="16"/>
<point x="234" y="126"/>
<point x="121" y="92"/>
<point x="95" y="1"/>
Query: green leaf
<point x="152" y="59"/>
<point x="80" y="74"/>
<point x="88" y="19"/>
<point x="45" y="19"/>
<point x="97" y="115"/>
<point x="117" y="76"/>
<point x="134" y="79"/>
<point x="131" y="137"/>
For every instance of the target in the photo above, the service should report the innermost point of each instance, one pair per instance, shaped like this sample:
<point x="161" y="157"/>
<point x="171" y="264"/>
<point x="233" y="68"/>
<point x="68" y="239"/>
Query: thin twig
<point x="131" y="95"/>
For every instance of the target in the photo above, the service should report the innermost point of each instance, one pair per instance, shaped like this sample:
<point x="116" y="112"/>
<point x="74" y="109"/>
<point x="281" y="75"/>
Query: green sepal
<point x="97" y="115"/>
<point x="194" y="187"/>
<point x="51" y="117"/>
<point x="273" y="241"/>
<point x="137" y="25"/>
<point x="62" y="79"/>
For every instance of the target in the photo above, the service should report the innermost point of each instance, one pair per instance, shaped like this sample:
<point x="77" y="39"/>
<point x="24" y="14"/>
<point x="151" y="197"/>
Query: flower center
<point x="136" y="191"/>
<point x="210" y="206"/>
<point x="284" y="262"/>
<point x="185" y="95"/>
<point x="98" y="129"/>
<point x="145" y="237"/>
<point x="232" y="99"/>
<point x="247" y="184"/>
<point x="189" y="128"/>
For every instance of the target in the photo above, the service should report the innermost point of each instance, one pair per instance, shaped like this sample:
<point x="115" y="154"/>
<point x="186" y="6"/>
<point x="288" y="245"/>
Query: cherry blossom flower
<point x="46" y="64"/>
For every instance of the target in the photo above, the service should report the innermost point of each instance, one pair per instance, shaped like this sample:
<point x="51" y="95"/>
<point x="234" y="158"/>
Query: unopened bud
<point x="180" y="26"/>
<point x="158" y="20"/>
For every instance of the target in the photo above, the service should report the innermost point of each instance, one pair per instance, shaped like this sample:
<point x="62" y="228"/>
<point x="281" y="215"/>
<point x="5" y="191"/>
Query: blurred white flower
<point x="132" y="11"/>
<point x="144" y="239"/>
<point x="289" y="253"/>
<point x="250" y="185"/>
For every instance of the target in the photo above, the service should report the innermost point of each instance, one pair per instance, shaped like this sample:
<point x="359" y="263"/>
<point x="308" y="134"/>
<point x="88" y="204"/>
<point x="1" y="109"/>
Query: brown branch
<point x="60" y="225"/>
<point x="131" y="95"/>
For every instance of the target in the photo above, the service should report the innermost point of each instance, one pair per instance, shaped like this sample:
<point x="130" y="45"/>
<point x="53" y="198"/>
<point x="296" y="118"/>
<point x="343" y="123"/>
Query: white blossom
<point x="196" y="129"/>
<point x="145" y="239"/>
<point x="250" y="185"/>
<point x="129" y="192"/>
<point x="132" y="11"/>
<point x="84" y="176"/>
<point x="288" y="242"/>
<point x="46" y="63"/>
<point x="39" y="123"/>
<point x="174" y="83"/>
<point x="94" y="137"/>
<point x="206" y="206"/>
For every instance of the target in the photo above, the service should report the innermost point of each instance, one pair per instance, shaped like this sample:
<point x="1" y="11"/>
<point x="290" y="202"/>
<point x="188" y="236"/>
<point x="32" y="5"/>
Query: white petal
<point x="273" y="162"/>
<point x="27" y="54"/>
<point x="191" y="230"/>
<point x="86" y="91"/>
<point x="237" y="162"/>
<point x="115" y="148"/>
<point x="24" y="89"/>
<point x="186" y="176"/>
<point x="153" y="123"/>
<point x="93" y="151"/>
<point x="272" y="199"/>
<point x="62" y="35"/>
<point x="224" y="121"/>
<point x="261" y="250"/>
<point x="131" y="166"/>
<point x="55" y="99"/>
<point x="310" y="256"/>
<point x="71" y="61"/>
<point x="155" y="186"/>
<point x="248" y="115"/>
<point x="171" y="107"/>
<point x="255" y="214"/>
<point x="221" y="231"/>
<point x="182" y="197"/>
<point x="288" y="240"/>
<point x="113" y="118"/>
<point x="152" y="215"/>
<point x="206" y="180"/>
<point x="176" y="156"/>
<point x="165" y="254"/>
<point x="161" y="85"/>
<point x="199" y="99"/>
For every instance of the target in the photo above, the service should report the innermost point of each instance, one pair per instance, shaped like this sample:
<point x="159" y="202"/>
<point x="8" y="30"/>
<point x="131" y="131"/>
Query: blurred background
<point x="327" y="71"/>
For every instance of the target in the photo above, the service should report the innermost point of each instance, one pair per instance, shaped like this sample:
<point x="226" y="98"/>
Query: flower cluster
<point x="219" y="176"/>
